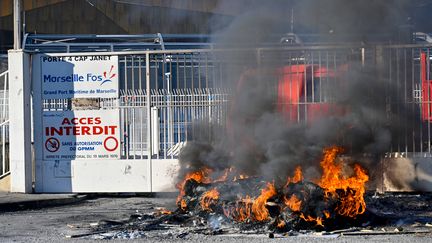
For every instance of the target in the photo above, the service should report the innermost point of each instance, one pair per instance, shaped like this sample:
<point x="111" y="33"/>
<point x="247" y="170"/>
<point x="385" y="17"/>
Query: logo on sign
<point x="90" y="77"/>
<point x="52" y="144"/>
<point x="110" y="74"/>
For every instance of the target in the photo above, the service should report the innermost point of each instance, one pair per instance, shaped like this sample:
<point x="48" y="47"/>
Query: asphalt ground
<point x="59" y="223"/>
<point x="20" y="201"/>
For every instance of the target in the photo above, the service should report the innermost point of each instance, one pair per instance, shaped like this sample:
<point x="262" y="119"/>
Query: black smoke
<point x="258" y="139"/>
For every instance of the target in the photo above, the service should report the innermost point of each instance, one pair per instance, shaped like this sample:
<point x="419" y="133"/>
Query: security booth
<point x="113" y="114"/>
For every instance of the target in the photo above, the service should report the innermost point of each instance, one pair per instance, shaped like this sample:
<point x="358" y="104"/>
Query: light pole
<point x="17" y="23"/>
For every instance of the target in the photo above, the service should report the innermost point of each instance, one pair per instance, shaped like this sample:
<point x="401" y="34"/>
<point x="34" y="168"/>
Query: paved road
<point x="55" y="223"/>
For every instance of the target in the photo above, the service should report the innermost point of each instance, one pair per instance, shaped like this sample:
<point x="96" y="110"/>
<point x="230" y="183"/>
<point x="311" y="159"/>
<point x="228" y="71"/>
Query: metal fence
<point x="4" y="124"/>
<point x="184" y="88"/>
<point x="308" y="77"/>
<point x="408" y="69"/>
<point x="173" y="113"/>
<point x="197" y="85"/>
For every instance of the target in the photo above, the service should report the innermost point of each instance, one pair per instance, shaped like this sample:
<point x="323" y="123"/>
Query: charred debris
<point x="227" y="203"/>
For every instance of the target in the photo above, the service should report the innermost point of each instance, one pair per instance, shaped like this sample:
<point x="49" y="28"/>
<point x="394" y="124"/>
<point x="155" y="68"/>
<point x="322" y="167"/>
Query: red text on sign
<point x="82" y="121"/>
<point x="80" y="130"/>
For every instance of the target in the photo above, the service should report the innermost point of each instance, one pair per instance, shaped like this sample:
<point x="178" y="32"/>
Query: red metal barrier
<point x="426" y="105"/>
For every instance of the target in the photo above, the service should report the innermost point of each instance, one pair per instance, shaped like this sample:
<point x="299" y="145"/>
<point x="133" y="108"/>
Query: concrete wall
<point x="406" y="174"/>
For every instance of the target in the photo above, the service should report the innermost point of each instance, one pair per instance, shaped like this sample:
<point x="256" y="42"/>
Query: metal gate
<point x="161" y="93"/>
<point x="182" y="87"/>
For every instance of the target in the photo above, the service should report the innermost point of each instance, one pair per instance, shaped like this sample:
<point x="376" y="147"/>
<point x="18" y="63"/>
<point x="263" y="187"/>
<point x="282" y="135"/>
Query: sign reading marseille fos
<point x="81" y="134"/>
<point x="66" y="77"/>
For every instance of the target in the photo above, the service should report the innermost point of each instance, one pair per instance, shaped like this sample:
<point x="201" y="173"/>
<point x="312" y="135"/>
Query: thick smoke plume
<point x="258" y="139"/>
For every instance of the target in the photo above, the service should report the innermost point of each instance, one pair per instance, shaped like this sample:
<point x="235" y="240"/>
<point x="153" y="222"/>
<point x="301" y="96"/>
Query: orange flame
<point x="163" y="211"/>
<point x="349" y="192"/>
<point x="294" y="203"/>
<point x="352" y="201"/>
<point x="209" y="198"/>
<point x="331" y="177"/>
<point x="253" y="209"/>
<point x="183" y="204"/>
<point x="201" y="176"/>
<point x="298" y="176"/>
<point x="240" y="177"/>
<point x="241" y="211"/>
<point x="309" y="218"/>
<point x="281" y="224"/>
<point x="259" y="205"/>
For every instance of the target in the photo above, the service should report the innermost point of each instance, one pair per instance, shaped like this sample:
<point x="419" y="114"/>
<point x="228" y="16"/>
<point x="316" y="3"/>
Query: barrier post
<point x="20" y="121"/>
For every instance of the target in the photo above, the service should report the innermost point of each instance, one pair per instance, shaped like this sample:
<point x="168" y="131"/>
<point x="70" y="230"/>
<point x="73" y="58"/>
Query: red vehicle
<point x="301" y="94"/>
<point x="300" y="91"/>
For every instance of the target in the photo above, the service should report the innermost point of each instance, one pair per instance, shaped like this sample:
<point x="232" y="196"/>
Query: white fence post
<point x="149" y="130"/>
<point x="20" y="121"/>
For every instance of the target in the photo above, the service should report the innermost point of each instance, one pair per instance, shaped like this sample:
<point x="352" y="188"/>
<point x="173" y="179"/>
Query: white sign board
<point x="81" y="134"/>
<point x="66" y="77"/>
